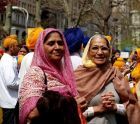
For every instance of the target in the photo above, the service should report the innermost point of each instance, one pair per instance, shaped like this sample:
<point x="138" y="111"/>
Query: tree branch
<point x="80" y="14"/>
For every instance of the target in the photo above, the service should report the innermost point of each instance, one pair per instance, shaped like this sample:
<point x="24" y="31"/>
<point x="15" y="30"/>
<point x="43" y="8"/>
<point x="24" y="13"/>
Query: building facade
<point x="135" y="26"/>
<point x="23" y="17"/>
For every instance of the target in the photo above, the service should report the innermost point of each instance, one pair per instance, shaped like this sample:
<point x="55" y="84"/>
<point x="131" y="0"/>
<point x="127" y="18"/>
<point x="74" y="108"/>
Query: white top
<point x="76" y="60"/>
<point x="8" y="81"/>
<point x="25" y="65"/>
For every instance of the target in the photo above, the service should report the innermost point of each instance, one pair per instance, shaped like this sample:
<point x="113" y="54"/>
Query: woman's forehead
<point x="98" y="41"/>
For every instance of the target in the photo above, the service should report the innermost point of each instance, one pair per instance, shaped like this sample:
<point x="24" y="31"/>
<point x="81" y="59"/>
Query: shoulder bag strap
<point x="45" y="78"/>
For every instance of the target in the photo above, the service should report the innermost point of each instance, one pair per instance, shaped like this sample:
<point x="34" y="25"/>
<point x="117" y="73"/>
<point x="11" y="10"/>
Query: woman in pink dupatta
<point x="51" y="58"/>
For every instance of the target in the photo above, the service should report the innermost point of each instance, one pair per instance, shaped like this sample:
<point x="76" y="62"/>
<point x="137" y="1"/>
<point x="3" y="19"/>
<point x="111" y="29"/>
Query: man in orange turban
<point x="9" y="79"/>
<point x="12" y="39"/>
<point x="33" y="34"/>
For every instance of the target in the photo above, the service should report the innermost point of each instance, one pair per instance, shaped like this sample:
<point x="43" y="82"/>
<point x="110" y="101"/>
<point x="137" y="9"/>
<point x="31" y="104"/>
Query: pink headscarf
<point x="40" y="59"/>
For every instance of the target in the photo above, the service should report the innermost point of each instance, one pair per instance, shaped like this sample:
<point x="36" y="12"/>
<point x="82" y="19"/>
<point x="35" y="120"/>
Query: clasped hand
<point x="108" y="102"/>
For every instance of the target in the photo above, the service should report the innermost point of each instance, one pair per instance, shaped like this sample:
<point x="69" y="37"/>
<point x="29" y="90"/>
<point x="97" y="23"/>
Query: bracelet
<point x="89" y="112"/>
<point x="121" y="109"/>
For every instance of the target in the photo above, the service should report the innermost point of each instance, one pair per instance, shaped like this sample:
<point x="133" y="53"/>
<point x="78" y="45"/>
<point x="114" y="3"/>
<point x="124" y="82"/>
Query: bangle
<point x="121" y="109"/>
<point x="89" y="112"/>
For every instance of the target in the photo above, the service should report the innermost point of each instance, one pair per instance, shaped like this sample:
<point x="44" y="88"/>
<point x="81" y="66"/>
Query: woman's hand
<point x="107" y="104"/>
<point x="99" y="108"/>
<point x="82" y="103"/>
<point x="108" y="101"/>
<point x="32" y="114"/>
<point x="83" y="106"/>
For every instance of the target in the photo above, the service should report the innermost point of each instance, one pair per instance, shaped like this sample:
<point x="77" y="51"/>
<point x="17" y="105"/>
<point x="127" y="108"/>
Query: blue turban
<point x="74" y="38"/>
<point x="85" y="41"/>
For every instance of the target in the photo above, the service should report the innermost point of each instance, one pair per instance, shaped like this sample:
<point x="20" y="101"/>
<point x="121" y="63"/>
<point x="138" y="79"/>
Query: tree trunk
<point x="68" y="10"/>
<point x="7" y="26"/>
<point x="38" y="13"/>
<point x="70" y="23"/>
<point x="106" y="28"/>
<point x="80" y="13"/>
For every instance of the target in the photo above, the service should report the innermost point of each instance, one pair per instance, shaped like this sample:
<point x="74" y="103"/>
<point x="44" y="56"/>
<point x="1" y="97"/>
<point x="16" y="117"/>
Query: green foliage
<point x="127" y="44"/>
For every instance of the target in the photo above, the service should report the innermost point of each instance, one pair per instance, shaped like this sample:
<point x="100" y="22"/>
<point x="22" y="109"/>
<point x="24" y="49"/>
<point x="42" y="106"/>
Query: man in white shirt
<point x="74" y="38"/>
<point x="9" y="79"/>
<point x="25" y="65"/>
<point x="32" y="37"/>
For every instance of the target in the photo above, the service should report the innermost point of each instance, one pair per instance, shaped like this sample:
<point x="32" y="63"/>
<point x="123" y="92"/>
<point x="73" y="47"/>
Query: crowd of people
<point x="67" y="78"/>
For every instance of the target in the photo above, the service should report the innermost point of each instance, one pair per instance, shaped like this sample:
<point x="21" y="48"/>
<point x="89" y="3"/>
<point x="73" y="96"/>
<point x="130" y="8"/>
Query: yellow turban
<point x="33" y="34"/>
<point x="20" y="57"/>
<point x="9" y="40"/>
<point x="136" y="72"/>
<point x="119" y="63"/>
<point x="109" y="38"/>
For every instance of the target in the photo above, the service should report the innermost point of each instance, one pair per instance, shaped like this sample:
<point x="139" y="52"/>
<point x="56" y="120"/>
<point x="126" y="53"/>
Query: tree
<point x="79" y="12"/>
<point x="98" y="12"/>
<point x="38" y="13"/>
<point x="108" y="16"/>
<point x="135" y="4"/>
<point x="3" y="34"/>
<point x="8" y="3"/>
<point x="71" y="8"/>
<point x="7" y="26"/>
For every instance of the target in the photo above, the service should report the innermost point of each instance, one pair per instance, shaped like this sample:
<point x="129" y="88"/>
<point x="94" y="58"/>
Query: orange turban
<point x="33" y="34"/>
<point x="119" y="63"/>
<point x="9" y="40"/>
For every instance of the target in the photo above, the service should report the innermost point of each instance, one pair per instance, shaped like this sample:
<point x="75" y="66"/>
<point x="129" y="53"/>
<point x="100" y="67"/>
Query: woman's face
<point x="22" y="51"/>
<point x="54" y="47"/>
<point x="99" y="52"/>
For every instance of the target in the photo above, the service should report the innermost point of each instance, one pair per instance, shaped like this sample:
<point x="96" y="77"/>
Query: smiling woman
<point x="54" y="47"/>
<point x="51" y="60"/>
<point x="99" y="50"/>
<point x="103" y="91"/>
